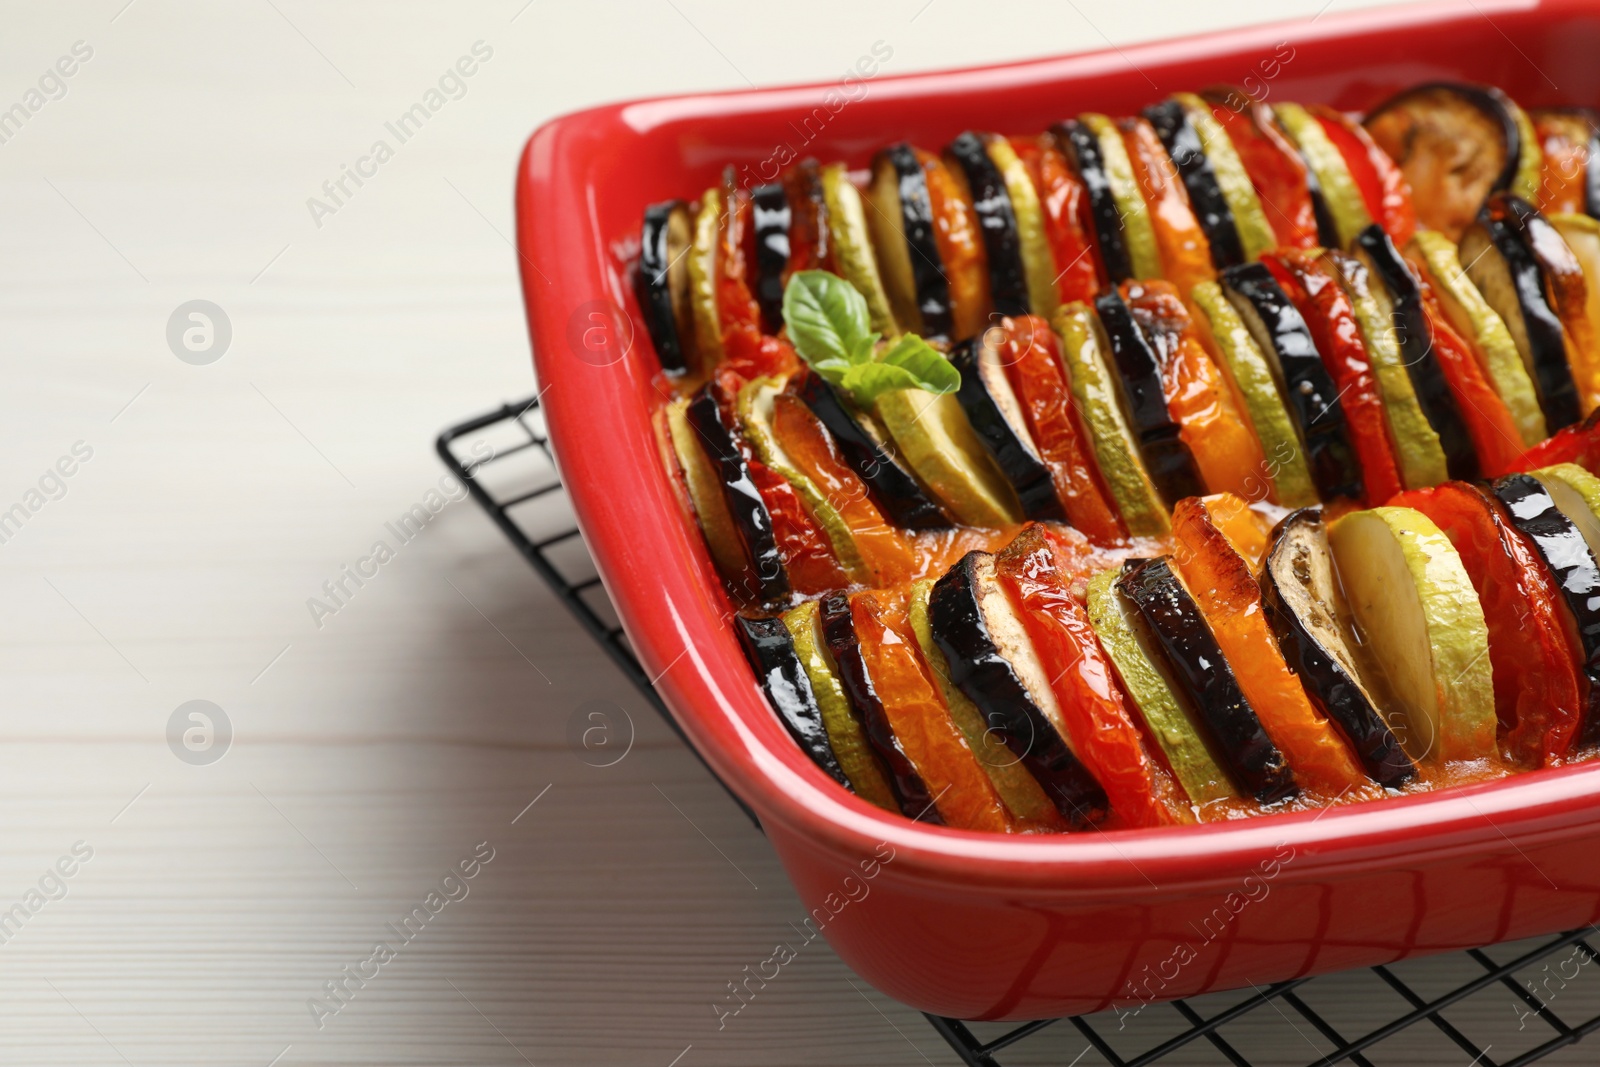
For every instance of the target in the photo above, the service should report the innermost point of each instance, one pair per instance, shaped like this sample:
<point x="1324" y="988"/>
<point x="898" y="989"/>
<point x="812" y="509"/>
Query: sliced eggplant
<point x="770" y="649"/>
<point x="997" y="221"/>
<point x="1341" y="197"/>
<point x="996" y="417"/>
<point x="1514" y="284"/>
<point x="902" y="219"/>
<point x="1191" y="653"/>
<point x="661" y="283"/>
<point x="770" y="219"/>
<point x="749" y="512"/>
<point x="704" y="484"/>
<point x="1138" y="232"/>
<point x="1142" y="671"/>
<point x="1304" y="606"/>
<point x="1562" y="547"/>
<point x="1083" y="148"/>
<point x="1569" y="293"/>
<point x="1033" y="238"/>
<point x="1455" y="144"/>
<point x="839" y="632"/>
<point x="1178" y="134"/>
<point x="1256" y="235"/>
<point x="1303" y="381"/>
<point x="894" y="488"/>
<point x="1423" y="626"/>
<point x="1167" y="459"/>
<point x="1400" y="300"/>
<point x="1577" y="493"/>
<point x="993" y="662"/>
<point x="852" y="245"/>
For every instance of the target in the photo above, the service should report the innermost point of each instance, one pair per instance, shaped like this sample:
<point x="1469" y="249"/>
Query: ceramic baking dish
<point x="989" y="927"/>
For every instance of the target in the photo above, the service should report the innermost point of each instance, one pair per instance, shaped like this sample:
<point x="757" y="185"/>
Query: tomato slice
<point x="1141" y="789"/>
<point x="1534" y="660"/>
<point x="807" y="555"/>
<point x="809" y="247"/>
<point x="1220" y="581"/>
<point x="1185" y="252"/>
<point x="1566" y="162"/>
<point x="1031" y="355"/>
<point x="955" y="231"/>
<point x="1494" y="433"/>
<point x="749" y="353"/>
<point x="1276" y="170"/>
<point x="1210" y="419"/>
<point x="802" y="436"/>
<point x="962" y="791"/>
<point x="1578" y="443"/>
<point x="1383" y="187"/>
<point x="1065" y="204"/>
<point x="1332" y="321"/>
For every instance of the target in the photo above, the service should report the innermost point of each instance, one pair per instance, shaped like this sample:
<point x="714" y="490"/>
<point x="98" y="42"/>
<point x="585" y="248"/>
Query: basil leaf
<point x="932" y="371"/>
<point x="827" y="319"/>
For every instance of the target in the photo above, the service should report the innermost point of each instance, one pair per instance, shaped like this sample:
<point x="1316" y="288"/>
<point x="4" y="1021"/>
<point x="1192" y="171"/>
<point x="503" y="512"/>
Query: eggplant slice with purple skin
<point x="770" y="218"/>
<point x="1211" y="209"/>
<point x="974" y="626"/>
<point x="1383" y="261"/>
<point x="770" y="650"/>
<point x="902" y="498"/>
<point x="1566" y="554"/>
<point x="749" y="511"/>
<point x="902" y="216"/>
<point x="1167" y="459"/>
<point x="996" y="417"/>
<point x="1083" y="149"/>
<point x="997" y="221"/>
<point x="661" y="283"/>
<point x="1192" y="654"/>
<point x="1503" y="267"/>
<point x="839" y="633"/>
<point x="1300" y="592"/>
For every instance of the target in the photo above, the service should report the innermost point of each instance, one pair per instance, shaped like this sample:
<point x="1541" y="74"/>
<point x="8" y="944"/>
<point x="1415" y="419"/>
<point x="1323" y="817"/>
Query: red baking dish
<point x="990" y="927"/>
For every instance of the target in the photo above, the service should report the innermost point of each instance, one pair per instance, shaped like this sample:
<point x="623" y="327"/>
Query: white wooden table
<point x="374" y="752"/>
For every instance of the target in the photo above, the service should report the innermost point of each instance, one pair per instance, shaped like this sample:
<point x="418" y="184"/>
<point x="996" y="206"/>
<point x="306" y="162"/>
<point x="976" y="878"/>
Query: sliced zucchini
<point x="902" y="223"/>
<point x="1144" y="254"/>
<point x="1435" y="256"/>
<point x="1422" y="623"/>
<point x="992" y="661"/>
<point x="1256" y="384"/>
<point x="661" y="283"/>
<point x="852" y="245"/>
<point x="1582" y="236"/>
<point x="1305" y="608"/>
<point x="1140" y="668"/>
<point x="1084" y="149"/>
<point x="1038" y="260"/>
<point x="968" y="159"/>
<point x="770" y="219"/>
<point x="1191" y="654"/>
<point x="845" y="734"/>
<point x="1281" y="334"/>
<point x="1116" y="452"/>
<point x="751" y="519"/>
<point x="705" y="493"/>
<point x="996" y="417"/>
<point x="1577" y="493"/>
<point x="933" y="436"/>
<point x="770" y="649"/>
<point x="1177" y="133"/>
<point x="705" y="266"/>
<point x="1339" y="190"/>
<point x="1256" y="236"/>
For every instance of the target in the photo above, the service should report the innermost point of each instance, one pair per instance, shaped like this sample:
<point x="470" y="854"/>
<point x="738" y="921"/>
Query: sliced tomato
<point x="1329" y="315"/>
<point x="955" y="231"/>
<point x="1578" y="443"/>
<point x="1537" y="687"/>
<point x="801" y="435"/>
<point x="1141" y="789"/>
<point x="809" y="246"/>
<point x="962" y="791"/>
<point x="749" y="352"/>
<point x="1065" y="204"/>
<point x="1494" y="433"/>
<point x="1211" y="421"/>
<point x="807" y="555"/>
<point x="1185" y="252"/>
<point x="1031" y="355"/>
<point x="1565" y="162"/>
<point x="1383" y="187"/>
<point x="1222" y="584"/>
<point x="1276" y="170"/>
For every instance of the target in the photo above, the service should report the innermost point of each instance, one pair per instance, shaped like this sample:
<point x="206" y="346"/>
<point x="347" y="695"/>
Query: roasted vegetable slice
<point x="770" y="650"/>
<point x="1569" y="143"/>
<point x="705" y="271"/>
<point x="661" y="283"/>
<point x="1185" y="256"/>
<point x="1304" y="605"/>
<point x="935" y="439"/>
<point x="1421" y="621"/>
<point x="704" y="484"/>
<point x="902" y="220"/>
<point x="1178" y="135"/>
<point x="1339" y="189"/>
<point x="1076" y="271"/>
<point x="1577" y="493"/>
<point x="996" y="417"/>
<point x="1087" y="154"/>
<point x="770" y="222"/>
<point x="1194" y="657"/>
<point x="852" y="245"/>
<point x="745" y="504"/>
<point x="1033" y="238"/>
<point x="1255" y="232"/>
<point x="1569" y="291"/>
<point x="1288" y="190"/>
<point x="1383" y="188"/>
<point x="968" y="161"/>
<point x="992" y="660"/>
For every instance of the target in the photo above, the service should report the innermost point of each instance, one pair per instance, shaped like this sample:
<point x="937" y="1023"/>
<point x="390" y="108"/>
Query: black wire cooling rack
<point x="1487" y="1007"/>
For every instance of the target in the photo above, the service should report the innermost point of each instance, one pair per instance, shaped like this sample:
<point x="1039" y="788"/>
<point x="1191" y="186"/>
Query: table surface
<point x="421" y="720"/>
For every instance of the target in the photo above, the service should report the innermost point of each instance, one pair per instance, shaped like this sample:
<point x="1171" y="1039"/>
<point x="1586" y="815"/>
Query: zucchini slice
<point x="770" y="649"/>
<point x="770" y="219"/>
<point x="1577" y="493"/>
<point x="749" y="512"/>
<point x="1423" y="625"/>
<point x="852" y="245"/>
<point x="1256" y="235"/>
<point x="1084" y="149"/>
<point x="1033" y="239"/>
<point x="992" y="661"/>
<point x="700" y="477"/>
<point x="705" y="266"/>
<point x="661" y="284"/>
<point x="934" y="437"/>
<point x="996" y="417"/>
<point x="902" y="221"/>
<point x="1116" y="452"/>
<point x="1177" y="133"/>
<point x="1144" y="254"/>
<point x="1339" y="191"/>
<point x="968" y="158"/>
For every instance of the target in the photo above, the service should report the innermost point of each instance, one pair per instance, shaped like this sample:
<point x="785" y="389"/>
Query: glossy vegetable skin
<point x="1064" y="202"/>
<point x="1178" y="135"/>
<point x="748" y="351"/>
<point x="1039" y="574"/>
<point x="770" y="650"/>
<point x="994" y="412"/>
<point x="661" y="282"/>
<point x="1185" y="252"/>
<point x="969" y="163"/>
<point x="743" y="497"/>
<point x="1383" y="187"/>
<point x="1081" y="146"/>
<point x="1538" y="691"/>
<point x="1286" y="187"/>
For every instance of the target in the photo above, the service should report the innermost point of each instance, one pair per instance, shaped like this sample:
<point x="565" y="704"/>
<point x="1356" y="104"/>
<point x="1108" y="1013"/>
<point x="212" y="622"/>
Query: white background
<point x="377" y="750"/>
